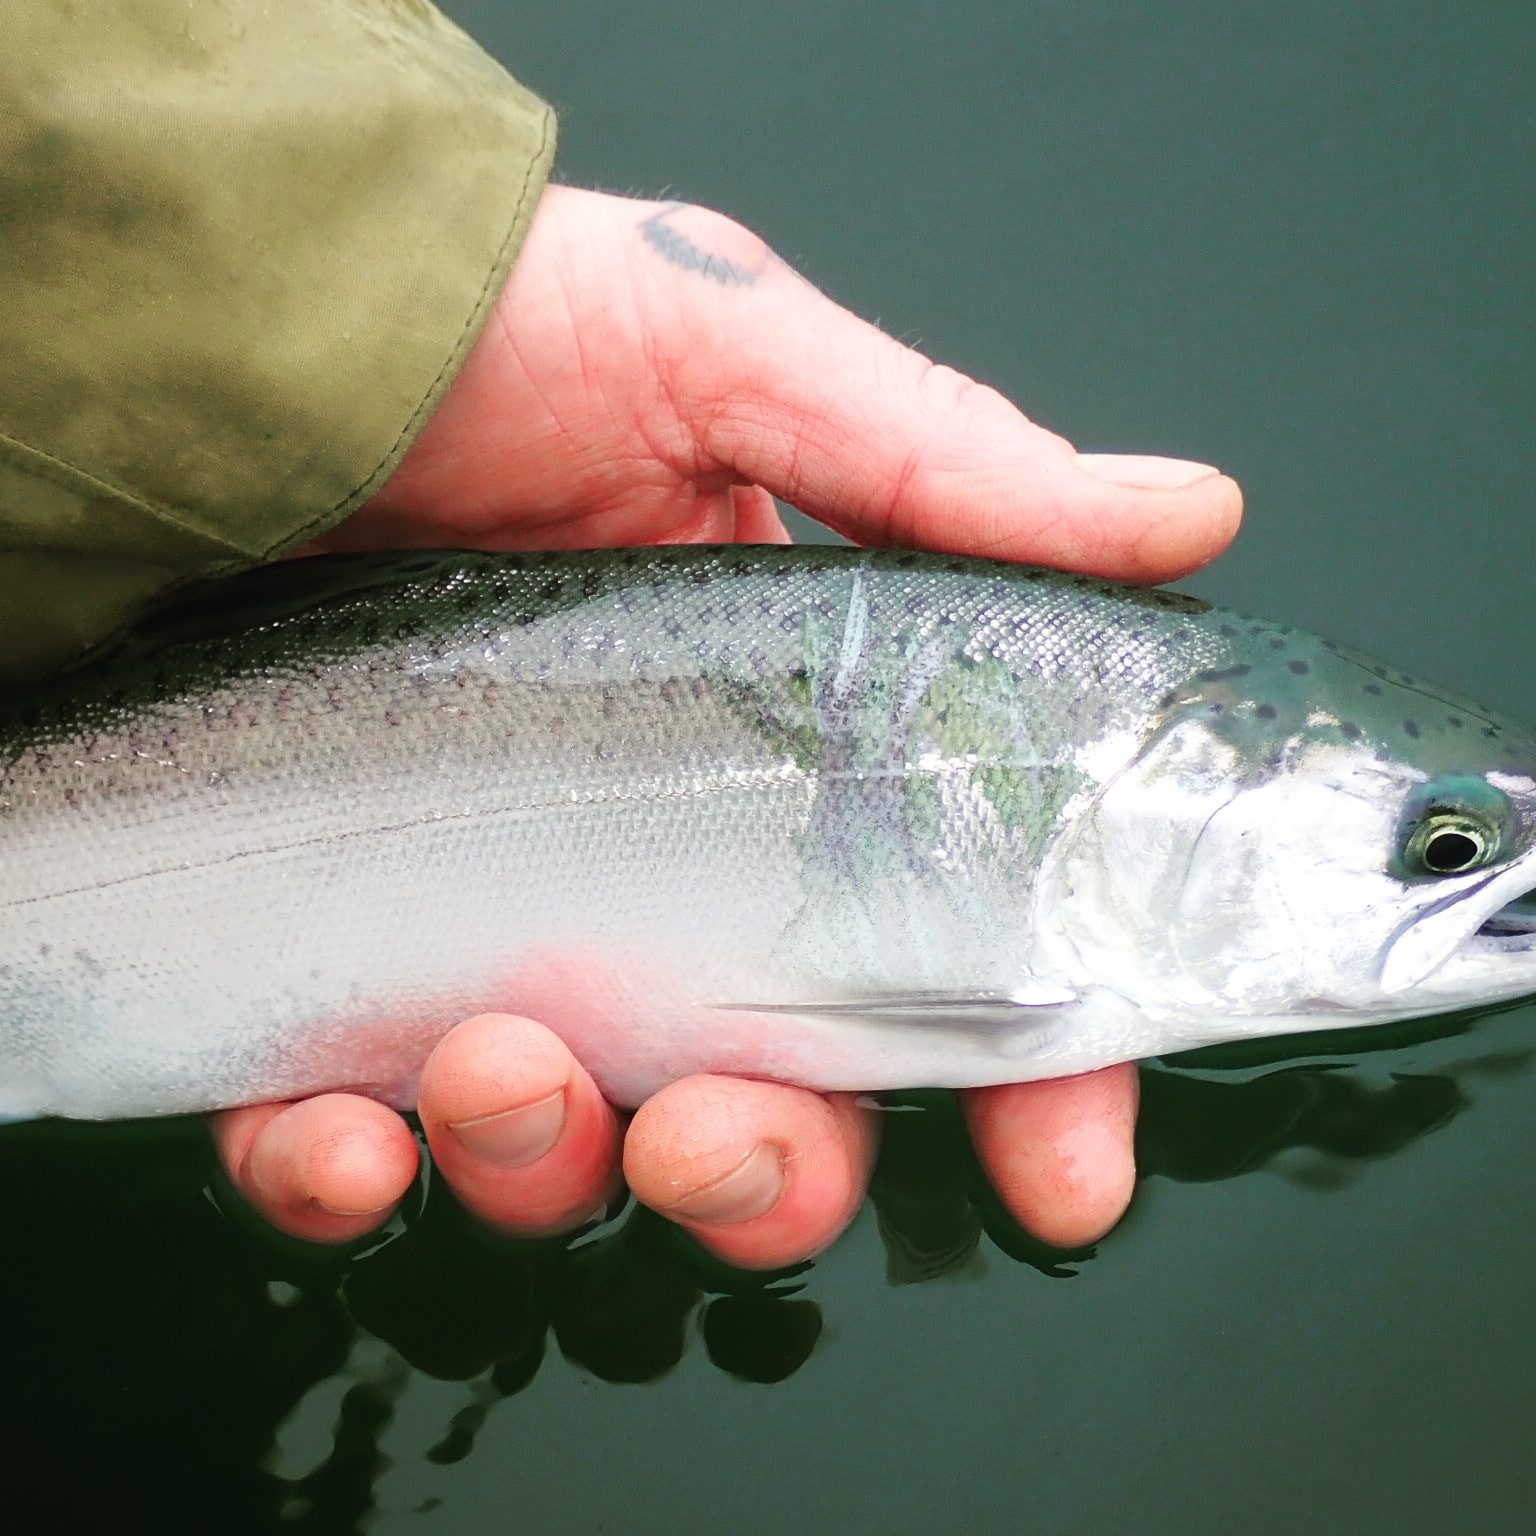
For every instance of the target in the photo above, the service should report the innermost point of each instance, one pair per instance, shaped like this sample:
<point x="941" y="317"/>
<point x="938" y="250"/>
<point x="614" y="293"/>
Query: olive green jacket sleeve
<point x="244" y="246"/>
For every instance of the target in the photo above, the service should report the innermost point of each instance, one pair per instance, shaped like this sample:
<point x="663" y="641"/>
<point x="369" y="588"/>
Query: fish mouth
<point x="1476" y="945"/>
<point x="1514" y="920"/>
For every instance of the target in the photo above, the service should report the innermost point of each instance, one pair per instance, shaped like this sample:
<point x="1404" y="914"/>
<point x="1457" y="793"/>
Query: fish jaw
<point x="1477" y="947"/>
<point x="1485" y="969"/>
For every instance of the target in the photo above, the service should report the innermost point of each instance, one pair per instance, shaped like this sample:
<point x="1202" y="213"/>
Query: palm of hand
<point x="652" y="374"/>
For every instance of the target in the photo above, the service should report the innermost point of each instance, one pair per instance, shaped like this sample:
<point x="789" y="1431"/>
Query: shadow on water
<point x="177" y="1342"/>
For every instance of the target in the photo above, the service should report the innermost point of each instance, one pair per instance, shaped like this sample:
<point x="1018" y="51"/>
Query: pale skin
<point x="653" y="374"/>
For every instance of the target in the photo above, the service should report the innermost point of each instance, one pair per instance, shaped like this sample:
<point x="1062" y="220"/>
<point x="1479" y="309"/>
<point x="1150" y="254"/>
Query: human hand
<point x="653" y="374"/>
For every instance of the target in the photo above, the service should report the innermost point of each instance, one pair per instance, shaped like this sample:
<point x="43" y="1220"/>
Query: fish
<point x="851" y="819"/>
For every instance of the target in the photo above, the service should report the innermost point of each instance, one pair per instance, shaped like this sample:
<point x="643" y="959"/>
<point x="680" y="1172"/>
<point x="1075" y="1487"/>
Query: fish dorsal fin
<point x="970" y="1011"/>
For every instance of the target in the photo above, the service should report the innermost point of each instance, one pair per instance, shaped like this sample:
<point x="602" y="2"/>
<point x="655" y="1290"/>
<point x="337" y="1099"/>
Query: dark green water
<point x="1295" y="240"/>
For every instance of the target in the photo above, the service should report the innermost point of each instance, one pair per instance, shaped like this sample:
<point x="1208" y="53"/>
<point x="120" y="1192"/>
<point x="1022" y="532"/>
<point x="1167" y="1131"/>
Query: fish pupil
<point x="1448" y="853"/>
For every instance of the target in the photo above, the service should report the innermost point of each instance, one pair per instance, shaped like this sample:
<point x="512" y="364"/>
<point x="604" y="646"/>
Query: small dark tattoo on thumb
<point x="663" y="231"/>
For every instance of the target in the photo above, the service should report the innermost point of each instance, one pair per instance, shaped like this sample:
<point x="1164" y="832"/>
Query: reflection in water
<point x="460" y="1303"/>
<point x="1230" y="1128"/>
<point x="205" y="1361"/>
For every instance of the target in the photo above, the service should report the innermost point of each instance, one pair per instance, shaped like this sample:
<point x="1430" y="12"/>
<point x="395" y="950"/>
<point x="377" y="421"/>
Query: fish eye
<point x="1451" y="843"/>
<point x="1452" y="825"/>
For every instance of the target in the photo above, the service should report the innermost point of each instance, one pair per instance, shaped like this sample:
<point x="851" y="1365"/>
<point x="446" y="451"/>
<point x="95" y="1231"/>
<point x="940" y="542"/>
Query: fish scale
<point x="811" y="814"/>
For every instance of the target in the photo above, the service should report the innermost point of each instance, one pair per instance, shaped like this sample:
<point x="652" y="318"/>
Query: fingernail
<point x="336" y="1210"/>
<point x="515" y="1137"/>
<point x="1145" y="472"/>
<point x="746" y="1192"/>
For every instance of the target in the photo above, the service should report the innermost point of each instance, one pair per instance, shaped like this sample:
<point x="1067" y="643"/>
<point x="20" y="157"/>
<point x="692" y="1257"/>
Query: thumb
<point x="887" y="447"/>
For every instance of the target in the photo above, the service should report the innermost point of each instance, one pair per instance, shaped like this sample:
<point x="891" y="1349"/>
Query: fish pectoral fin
<point x="971" y="1011"/>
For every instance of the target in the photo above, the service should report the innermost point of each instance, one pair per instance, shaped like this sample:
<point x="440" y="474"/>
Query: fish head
<point x="1307" y="839"/>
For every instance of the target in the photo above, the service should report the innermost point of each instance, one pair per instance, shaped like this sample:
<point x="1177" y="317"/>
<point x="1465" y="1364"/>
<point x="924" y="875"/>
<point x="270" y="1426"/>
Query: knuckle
<point x="957" y="405"/>
<point x="946" y="391"/>
<point x="955" y="411"/>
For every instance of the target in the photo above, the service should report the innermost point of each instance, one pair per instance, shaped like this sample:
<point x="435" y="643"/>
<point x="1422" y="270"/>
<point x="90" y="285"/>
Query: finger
<point x="757" y="517"/>
<point x="761" y="1174"/>
<point x="741" y="514"/>
<point x="1060" y="1153"/>
<point x="798" y="395"/>
<point x="517" y="1126"/>
<point x="327" y="1169"/>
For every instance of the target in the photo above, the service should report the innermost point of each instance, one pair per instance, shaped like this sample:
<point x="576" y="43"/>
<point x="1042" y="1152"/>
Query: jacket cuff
<point x="243" y="263"/>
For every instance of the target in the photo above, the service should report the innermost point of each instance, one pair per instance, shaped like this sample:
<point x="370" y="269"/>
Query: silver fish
<point x="848" y="819"/>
